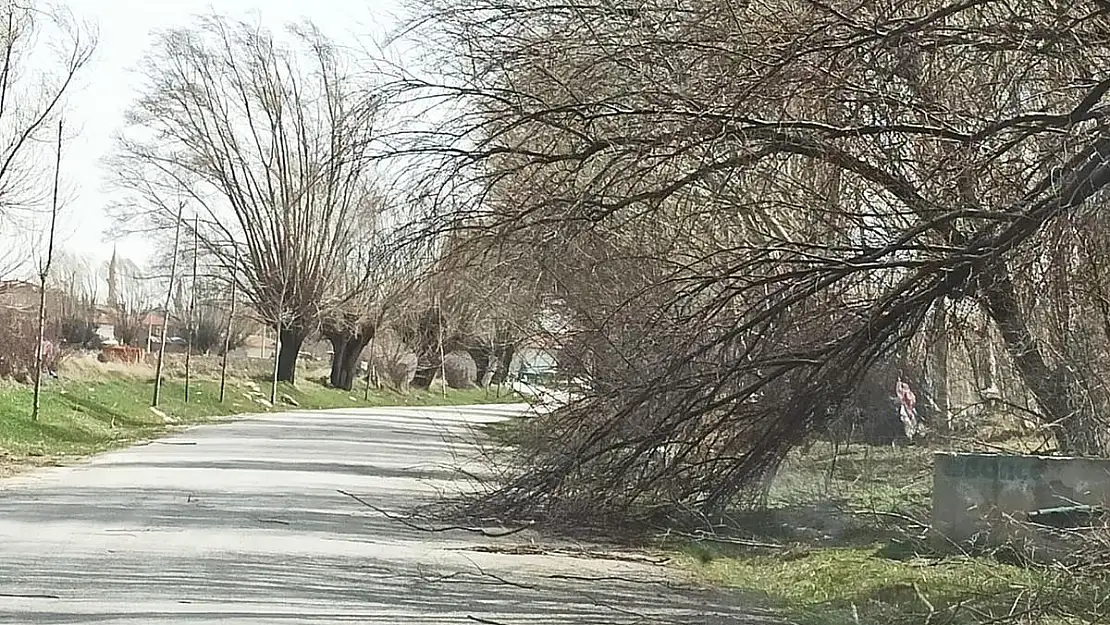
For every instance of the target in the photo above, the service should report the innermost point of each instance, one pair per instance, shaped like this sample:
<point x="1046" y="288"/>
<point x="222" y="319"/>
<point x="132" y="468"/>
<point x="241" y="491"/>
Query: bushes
<point x="79" y="332"/>
<point x="211" y="328"/>
<point x="398" y="368"/>
<point x="208" y="335"/>
<point x="130" y="329"/>
<point x="870" y="412"/>
<point x="19" y="338"/>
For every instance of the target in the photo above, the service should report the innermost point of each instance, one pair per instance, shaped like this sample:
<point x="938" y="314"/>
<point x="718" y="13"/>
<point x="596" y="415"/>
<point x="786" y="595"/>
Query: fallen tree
<point x="743" y="208"/>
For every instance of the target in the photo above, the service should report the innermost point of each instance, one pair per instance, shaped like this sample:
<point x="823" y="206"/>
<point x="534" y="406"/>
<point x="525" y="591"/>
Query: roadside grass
<point x="88" y="414"/>
<point x="510" y="433"/>
<point x="863" y="586"/>
<point x="843" y="541"/>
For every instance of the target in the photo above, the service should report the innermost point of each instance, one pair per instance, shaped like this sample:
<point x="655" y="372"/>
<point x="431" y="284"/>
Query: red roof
<point x="153" y="319"/>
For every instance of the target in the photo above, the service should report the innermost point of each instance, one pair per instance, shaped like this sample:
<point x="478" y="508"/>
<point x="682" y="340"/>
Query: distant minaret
<point x="113" y="280"/>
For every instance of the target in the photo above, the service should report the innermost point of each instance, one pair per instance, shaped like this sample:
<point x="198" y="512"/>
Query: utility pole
<point x="191" y="325"/>
<point x="277" y="346"/>
<point x="230" y="321"/>
<point x="442" y="356"/>
<point x="166" y="308"/>
<point x="44" y="274"/>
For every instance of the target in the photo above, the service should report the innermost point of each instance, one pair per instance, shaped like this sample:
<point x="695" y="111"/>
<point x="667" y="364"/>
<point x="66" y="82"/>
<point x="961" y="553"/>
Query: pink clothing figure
<point x="907" y="408"/>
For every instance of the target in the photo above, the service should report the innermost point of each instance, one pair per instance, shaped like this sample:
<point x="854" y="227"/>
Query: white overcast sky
<point x="107" y="88"/>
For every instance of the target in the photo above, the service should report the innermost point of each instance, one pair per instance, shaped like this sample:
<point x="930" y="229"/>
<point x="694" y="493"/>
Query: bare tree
<point x="77" y="276"/>
<point x="59" y="49"/>
<point x="132" y="296"/>
<point x="397" y="279"/>
<point x="746" y="207"/>
<point x="268" y="135"/>
<point x="44" y="276"/>
<point x="350" y="326"/>
<point x="29" y="100"/>
<point x="77" y="282"/>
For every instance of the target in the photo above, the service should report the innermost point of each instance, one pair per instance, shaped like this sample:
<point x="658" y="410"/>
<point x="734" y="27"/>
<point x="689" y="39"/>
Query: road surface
<point x="243" y="523"/>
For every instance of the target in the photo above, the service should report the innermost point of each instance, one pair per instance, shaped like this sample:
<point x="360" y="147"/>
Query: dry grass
<point x="86" y="367"/>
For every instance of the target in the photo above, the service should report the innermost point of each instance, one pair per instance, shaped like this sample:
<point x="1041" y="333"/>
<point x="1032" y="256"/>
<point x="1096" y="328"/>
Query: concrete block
<point x="988" y="498"/>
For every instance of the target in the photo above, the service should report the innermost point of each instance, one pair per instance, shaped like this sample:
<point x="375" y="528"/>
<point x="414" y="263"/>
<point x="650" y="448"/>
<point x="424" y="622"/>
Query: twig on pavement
<point x="448" y="528"/>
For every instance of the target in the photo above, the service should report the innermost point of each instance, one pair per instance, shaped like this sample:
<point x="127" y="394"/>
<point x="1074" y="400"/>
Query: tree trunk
<point x="348" y="369"/>
<point x="505" y="360"/>
<point x="291" y="341"/>
<point x="346" y="352"/>
<point x="339" y="345"/>
<point x="486" y="360"/>
<point x="1057" y="390"/>
<point x="937" y="367"/>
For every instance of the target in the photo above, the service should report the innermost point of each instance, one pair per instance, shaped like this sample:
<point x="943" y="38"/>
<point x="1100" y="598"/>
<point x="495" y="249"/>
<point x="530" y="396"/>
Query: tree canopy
<point x="266" y="136"/>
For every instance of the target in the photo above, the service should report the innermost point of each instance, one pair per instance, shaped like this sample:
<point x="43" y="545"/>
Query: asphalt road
<point x="243" y="522"/>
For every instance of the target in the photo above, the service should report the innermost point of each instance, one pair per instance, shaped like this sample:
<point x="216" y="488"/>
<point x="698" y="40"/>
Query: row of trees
<point x="747" y="209"/>
<point x="260" y="147"/>
<point x="269" y="144"/>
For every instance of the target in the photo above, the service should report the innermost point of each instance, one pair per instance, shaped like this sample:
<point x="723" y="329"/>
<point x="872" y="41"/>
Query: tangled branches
<point x="743" y="206"/>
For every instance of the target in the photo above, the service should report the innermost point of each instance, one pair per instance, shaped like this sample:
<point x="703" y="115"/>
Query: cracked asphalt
<point x="244" y="523"/>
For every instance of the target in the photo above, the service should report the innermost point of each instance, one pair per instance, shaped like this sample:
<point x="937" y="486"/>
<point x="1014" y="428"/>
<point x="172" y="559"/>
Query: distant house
<point x="105" y="322"/>
<point x="154" y="321"/>
<point x="148" y="332"/>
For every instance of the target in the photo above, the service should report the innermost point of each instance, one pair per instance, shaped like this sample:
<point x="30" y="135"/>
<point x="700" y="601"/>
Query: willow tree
<point x="267" y="135"/>
<point x="351" y="325"/>
<point x="747" y="205"/>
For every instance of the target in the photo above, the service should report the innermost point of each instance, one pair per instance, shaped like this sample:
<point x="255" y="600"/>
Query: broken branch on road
<point x="448" y="528"/>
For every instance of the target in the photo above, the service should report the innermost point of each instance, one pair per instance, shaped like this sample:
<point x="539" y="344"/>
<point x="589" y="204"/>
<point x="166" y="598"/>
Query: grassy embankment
<point x="93" y="408"/>
<point x="843" y="542"/>
<point x="847" y="545"/>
